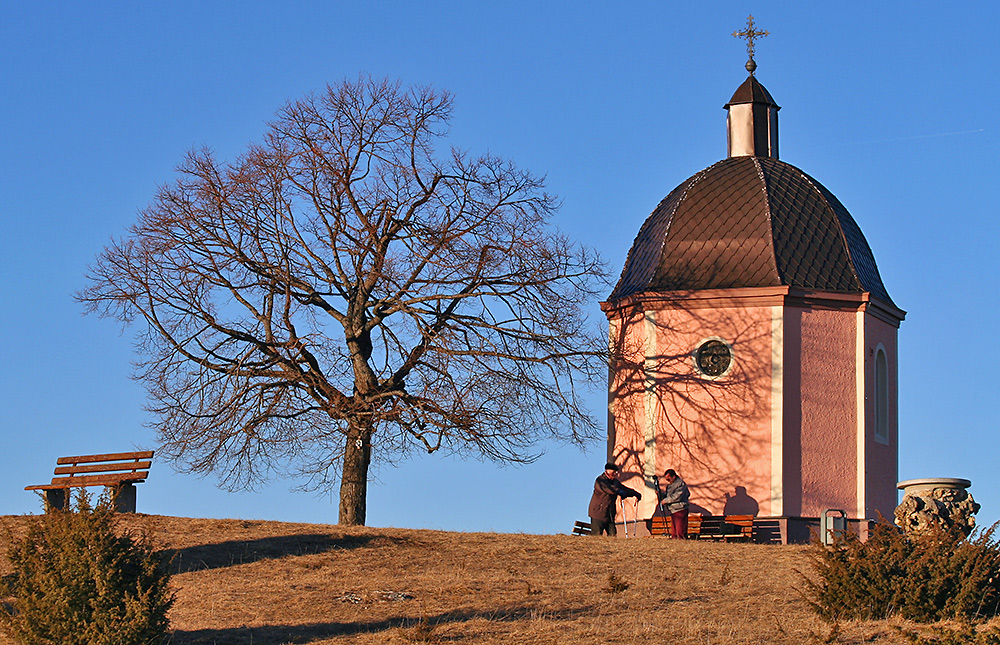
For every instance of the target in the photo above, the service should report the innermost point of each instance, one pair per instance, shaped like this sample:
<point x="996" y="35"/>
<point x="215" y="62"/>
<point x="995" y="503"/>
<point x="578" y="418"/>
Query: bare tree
<point x="339" y="293"/>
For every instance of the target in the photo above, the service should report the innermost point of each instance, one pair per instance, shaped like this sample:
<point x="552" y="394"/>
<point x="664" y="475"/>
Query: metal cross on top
<point x="750" y="34"/>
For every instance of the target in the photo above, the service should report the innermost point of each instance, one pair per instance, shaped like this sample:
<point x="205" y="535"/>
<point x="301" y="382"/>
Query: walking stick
<point x="621" y="501"/>
<point x="659" y="502"/>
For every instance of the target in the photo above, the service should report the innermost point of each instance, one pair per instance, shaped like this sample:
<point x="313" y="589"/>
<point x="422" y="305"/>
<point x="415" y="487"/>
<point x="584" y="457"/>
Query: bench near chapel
<point x="700" y="527"/>
<point x="119" y="472"/>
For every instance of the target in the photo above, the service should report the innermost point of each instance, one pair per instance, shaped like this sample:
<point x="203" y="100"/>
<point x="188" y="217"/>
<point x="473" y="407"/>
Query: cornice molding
<point x="745" y="297"/>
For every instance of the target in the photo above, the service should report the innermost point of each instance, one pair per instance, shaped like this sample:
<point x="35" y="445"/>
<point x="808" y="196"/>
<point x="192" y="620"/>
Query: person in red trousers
<point x="675" y="497"/>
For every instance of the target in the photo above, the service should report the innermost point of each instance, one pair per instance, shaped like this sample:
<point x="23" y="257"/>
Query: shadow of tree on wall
<point x="711" y="425"/>
<point x="311" y="632"/>
<point x="237" y="552"/>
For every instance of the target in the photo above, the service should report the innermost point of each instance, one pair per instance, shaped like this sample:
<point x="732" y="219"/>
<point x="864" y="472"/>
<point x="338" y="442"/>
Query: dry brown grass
<point x="275" y="583"/>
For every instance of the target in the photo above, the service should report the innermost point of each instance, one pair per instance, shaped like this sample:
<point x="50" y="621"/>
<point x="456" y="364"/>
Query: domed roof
<point x="750" y="221"/>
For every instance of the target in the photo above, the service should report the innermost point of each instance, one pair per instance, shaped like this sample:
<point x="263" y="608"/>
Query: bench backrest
<point x="87" y="470"/>
<point x="102" y="463"/>
<point x="743" y="523"/>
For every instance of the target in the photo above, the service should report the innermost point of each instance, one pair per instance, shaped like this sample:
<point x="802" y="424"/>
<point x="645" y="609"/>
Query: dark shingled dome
<point x="750" y="222"/>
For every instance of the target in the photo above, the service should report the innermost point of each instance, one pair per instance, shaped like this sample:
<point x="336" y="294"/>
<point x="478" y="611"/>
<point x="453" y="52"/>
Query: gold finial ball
<point x="751" y="66"/>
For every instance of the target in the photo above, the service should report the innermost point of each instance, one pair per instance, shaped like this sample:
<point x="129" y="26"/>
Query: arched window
<point x="881" y="397"/>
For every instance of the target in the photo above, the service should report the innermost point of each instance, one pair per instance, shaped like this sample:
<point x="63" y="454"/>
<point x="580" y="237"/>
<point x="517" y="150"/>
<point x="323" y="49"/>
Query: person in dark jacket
<point x="607" y="489"/>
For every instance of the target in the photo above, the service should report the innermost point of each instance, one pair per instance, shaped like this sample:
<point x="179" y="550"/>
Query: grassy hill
<point x="274" y="583"/>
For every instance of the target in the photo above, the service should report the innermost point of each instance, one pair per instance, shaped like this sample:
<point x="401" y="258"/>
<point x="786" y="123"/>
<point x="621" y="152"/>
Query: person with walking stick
<point x="607" y="489"/>
<point x="675" y="497"/>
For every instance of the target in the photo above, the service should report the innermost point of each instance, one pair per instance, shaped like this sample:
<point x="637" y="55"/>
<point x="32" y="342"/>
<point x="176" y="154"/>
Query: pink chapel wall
<point x="626" y="437"/>
<point x="821" y="407"/>
<point x="820" y="411"/>
<point x="715" y="432"/>
<point x="881" y="459"/>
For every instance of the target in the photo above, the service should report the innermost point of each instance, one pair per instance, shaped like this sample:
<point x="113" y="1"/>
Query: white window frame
<point x="880" y="384"/>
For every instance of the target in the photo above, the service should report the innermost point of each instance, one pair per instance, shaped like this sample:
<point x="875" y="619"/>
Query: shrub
<point x="78" y="579"/>
<point x="925" y="578"/>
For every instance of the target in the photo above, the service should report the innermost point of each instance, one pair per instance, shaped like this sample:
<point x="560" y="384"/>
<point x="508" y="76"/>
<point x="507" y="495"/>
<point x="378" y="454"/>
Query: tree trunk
<point x="354" y="479"/>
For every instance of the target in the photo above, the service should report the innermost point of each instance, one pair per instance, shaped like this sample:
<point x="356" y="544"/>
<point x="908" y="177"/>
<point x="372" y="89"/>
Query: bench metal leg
<point x="123" y="497"/>
<point x="55" y="499"/>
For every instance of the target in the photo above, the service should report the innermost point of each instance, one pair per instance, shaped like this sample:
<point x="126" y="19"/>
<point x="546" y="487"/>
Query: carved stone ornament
<point x="936" y="502"/>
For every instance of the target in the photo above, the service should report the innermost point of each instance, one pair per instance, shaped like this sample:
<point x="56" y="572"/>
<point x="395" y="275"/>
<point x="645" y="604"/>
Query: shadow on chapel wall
<point x="741" y="503"/>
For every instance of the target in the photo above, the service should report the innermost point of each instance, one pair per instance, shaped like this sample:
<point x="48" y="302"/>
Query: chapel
<point x="754" y="344"/>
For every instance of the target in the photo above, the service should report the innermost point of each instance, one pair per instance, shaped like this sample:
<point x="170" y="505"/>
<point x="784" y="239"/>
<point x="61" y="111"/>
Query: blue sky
<point x="616" y="103"/>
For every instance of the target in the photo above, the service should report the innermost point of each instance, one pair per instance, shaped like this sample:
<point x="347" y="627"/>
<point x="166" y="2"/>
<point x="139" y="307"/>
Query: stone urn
<point x="940" y="502"/>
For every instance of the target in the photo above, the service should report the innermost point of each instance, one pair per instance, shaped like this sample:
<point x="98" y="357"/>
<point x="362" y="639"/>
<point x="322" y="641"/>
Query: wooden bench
<point x="582" y="528"/>
<point x="660" y="525"/>
<point x="708" y="527"/>
<point x="729" y="527"/>
<point x="119" y="472"/>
